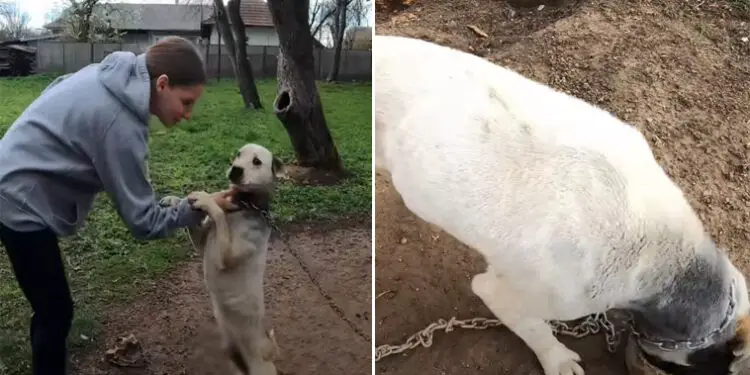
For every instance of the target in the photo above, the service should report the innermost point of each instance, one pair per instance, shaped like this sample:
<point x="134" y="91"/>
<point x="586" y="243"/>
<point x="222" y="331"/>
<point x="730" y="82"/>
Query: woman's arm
<point x="120" y="162"/>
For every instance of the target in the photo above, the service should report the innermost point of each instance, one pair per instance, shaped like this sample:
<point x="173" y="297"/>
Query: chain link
<point x="590" y="325"/>
<point x="266" y="214"/>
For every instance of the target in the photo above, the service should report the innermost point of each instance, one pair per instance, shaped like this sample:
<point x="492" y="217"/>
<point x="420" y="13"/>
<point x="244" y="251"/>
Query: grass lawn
<point x="105" y="264"/>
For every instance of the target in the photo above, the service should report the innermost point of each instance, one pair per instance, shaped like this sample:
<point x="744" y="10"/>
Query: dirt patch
<point x="318" y="302"/>
<point x="311" y="176"/>
<point x="676" y="70"/>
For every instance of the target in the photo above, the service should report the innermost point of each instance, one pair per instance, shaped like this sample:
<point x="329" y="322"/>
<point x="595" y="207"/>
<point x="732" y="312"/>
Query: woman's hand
<point x="224" y="199"/>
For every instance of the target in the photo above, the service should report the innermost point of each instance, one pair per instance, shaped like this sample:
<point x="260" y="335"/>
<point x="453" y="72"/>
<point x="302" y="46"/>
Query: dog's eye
<point x="257" y="161"/>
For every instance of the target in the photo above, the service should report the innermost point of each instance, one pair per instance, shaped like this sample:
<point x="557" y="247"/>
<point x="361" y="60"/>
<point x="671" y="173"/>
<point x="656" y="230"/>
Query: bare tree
<point x="321" y="12"/>
<point x="338" y="38"/>
<point x="347" y="12"/>
<point x="14" y="23"/>
<point x="79" y="19"/>
<point x="297" y="103"/>
<point x="358" y="11"/>
<point x="235" y="40"/>
<point x="89" y="21"/>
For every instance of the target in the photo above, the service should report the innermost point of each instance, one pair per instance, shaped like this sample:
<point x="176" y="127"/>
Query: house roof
<point x="253" y="13"/>
<point x="21" y="48"/>
<point x="181" y="17"/>
<point x="163" y="17"/>
<point x="174" y="17"/>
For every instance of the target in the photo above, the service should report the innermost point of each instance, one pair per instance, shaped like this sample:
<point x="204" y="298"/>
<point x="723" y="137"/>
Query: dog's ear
<point x="741" y="347"/>
<point x="277" y="167"/>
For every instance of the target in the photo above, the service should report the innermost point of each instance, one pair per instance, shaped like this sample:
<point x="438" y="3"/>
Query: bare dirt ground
<point x="677" y="70"/>
<point x="318" y="300"/>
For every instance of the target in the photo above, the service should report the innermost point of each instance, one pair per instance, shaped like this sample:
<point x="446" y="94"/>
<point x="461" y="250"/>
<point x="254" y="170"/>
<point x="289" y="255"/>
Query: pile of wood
<point x="17" y="60"/>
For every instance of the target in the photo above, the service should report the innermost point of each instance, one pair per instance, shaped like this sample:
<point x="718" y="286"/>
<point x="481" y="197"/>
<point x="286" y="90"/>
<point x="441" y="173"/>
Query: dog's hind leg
<point x="235" y="355"/>
<point x="229" y="343"/>
<point x="512" y="307"/>
<point x="261" y="350"/>
<point x="233" y="351"/>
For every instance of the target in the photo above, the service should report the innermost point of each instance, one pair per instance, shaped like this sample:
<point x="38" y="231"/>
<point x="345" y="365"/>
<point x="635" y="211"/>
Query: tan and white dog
<point x="234" y="246"/>
<point x="565" y="202"/>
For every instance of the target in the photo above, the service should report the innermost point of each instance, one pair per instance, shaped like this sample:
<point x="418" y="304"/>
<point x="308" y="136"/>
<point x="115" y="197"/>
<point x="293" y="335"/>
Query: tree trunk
<point x="237" y="52"/>
<point x="86" y="28"/>
<point x="341" y="6"/>
<point x="244" y="67"/>
<point x="297" y="103"/>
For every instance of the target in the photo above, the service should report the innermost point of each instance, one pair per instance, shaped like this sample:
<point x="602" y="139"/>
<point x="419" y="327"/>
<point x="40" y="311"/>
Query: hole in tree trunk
<point x="283" y="101"/>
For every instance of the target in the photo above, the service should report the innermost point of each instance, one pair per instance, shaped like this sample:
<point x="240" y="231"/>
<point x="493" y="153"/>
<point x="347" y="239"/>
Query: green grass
<point x="740" y="5"/>
<point x="106" y="265"/>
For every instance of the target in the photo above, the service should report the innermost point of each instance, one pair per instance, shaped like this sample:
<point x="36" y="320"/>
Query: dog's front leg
<point x="514" y="309"/>
<point x="198" y="232"/>
<point x="206" y="203"/>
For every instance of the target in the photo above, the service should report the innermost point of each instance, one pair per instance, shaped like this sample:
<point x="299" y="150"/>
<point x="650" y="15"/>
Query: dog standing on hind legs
<point x="234" y="245"/>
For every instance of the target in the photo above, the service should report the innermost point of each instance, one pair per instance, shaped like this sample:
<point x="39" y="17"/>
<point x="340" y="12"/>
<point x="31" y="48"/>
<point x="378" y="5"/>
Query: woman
<point x="86" y="133"/>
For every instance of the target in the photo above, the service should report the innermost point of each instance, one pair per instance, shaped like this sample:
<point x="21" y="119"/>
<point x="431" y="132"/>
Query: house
<point x="147" y="23"/>
<point x="258" y="25"/>
<point x="358" y="38"/>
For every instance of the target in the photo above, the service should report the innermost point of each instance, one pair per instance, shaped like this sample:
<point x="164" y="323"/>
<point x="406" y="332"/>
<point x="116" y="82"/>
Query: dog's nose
<point x="235" y="175"/>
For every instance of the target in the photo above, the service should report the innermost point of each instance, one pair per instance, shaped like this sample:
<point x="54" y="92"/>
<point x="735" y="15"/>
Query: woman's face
<point x="172" y="104"/>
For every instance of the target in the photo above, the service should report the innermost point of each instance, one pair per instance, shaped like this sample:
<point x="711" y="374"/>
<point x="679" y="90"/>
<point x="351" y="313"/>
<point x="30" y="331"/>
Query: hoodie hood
<point x="125" y="75"/>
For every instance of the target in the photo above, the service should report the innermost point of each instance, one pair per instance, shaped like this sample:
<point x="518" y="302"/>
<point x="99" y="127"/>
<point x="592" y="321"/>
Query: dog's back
<point x="545" y="182"/>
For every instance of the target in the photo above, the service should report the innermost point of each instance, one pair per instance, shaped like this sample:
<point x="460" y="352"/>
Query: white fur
<point x="552" y="191"/>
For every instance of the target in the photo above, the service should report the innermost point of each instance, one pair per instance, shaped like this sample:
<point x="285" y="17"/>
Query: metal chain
<point x="590" y="325"/>
<point x="266" y="214"/>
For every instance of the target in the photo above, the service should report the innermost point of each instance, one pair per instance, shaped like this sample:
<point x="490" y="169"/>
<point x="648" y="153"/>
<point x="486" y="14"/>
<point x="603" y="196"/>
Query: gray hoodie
<point x="86" y="133"/>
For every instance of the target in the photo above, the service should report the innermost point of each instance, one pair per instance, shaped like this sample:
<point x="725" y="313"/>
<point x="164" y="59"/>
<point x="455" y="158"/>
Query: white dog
<point x="565" y="202"/>
<point x="234" y="246"/>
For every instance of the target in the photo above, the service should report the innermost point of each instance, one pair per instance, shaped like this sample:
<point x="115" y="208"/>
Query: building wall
<point x="193" y="36"/>
<point x="256" y="36"/>
<point x="136" y="37"/>
<point x="151" y="37"/>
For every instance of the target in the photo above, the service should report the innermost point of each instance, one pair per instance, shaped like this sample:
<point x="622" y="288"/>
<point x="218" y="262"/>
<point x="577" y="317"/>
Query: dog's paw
<point x="559" y="360"/>
<point x="169" y="201"/>
<point x="199" y="199"/>
<point x="271" y="351"/>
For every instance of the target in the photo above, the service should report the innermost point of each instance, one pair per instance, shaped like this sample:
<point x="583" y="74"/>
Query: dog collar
<point x="664" y="344"/>
<point x="264" y="213"/>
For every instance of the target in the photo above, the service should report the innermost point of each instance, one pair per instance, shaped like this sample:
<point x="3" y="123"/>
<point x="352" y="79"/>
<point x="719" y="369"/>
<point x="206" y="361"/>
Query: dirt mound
<point x="318" y="292"/>
<point x="677" y="71"/>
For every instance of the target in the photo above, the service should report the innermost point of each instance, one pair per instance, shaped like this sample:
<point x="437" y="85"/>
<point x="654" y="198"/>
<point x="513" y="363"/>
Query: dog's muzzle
<point x="235" y="175"/>
<point x="637" y="363"/>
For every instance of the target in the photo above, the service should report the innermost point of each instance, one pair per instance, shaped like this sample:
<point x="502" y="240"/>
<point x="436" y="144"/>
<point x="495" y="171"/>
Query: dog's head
<point x="254" y="165"/>
<point x="728" y="354"/>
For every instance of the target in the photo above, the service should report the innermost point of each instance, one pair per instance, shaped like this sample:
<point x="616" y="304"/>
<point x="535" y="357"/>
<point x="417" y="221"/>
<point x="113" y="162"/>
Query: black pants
<point x="39" y="270"/>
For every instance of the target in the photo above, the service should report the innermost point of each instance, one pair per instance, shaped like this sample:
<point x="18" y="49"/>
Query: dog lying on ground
<point x="565" y="202"/>
<point x="234" y="247"/>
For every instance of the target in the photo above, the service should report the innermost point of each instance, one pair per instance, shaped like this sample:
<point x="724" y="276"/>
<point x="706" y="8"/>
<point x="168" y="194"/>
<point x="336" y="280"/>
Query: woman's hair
<point x="178" y="59"/>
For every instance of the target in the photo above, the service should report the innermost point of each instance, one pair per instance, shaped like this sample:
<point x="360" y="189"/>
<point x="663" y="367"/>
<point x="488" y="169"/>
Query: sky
<point x="38" y="9"/>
